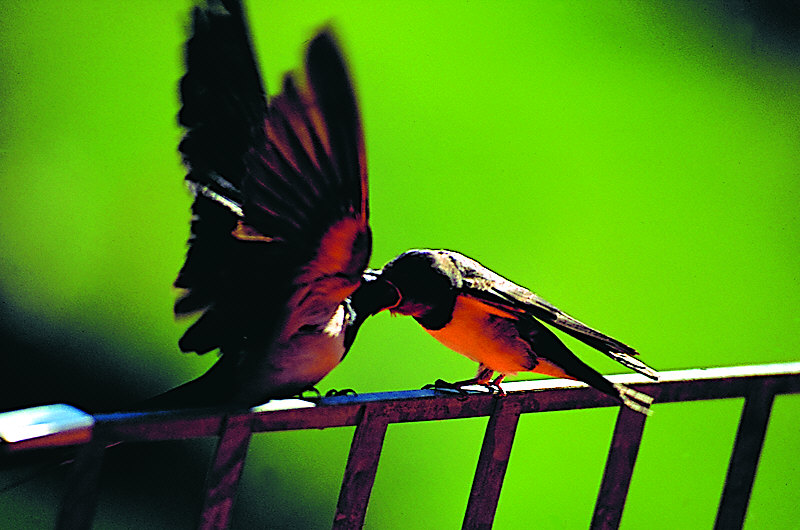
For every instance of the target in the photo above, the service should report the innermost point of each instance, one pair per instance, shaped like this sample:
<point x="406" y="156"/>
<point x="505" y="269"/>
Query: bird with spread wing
<point x="279" y="235"/>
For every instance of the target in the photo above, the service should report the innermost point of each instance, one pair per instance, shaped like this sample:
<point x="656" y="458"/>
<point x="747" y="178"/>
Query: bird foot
<point x="315" y="394"/>
<point x="344" y="392"/>
<point x="441" y="384"/>
<point x="458" y="386"/>
<point x="495" y="388"/>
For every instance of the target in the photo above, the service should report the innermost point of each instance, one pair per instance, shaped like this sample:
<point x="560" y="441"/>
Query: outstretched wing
<point x="494" y="290"/>
<point x="223" y="102"/>
<point x="280" y="189"/>
<point x="307" y="185"/>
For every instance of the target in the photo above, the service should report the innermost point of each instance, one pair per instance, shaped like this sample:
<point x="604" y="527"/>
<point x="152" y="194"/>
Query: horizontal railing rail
<point x="372" y="413"/>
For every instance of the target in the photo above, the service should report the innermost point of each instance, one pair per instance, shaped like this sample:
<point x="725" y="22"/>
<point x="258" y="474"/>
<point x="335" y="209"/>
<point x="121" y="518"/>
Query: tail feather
<point x="635" y="400"/>
<point x="633" y="363"/>
<point x="214" y="388"/>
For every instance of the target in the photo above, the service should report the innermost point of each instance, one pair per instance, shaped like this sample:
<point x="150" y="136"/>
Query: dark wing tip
<point x="312" y="171"/>
<point x="333" y="90"/>
<point x="627" y="360"/>
<point x="329" y="80"/>
<point x="223" y="102"/>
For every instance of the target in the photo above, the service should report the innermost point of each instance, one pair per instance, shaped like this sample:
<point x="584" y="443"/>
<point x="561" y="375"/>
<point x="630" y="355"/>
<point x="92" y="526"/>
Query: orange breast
<point x="486" y="335"/>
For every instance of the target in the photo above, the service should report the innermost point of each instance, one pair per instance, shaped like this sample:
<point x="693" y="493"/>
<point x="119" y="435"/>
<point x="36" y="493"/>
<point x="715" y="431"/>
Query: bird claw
<point x="313" y="390"/>
<point x="317" y="395"/>
<point x="440" y="384"/>
<point x="495" y="388"/>
<point x="344" y="392"/>
<point x="445" y="386"/>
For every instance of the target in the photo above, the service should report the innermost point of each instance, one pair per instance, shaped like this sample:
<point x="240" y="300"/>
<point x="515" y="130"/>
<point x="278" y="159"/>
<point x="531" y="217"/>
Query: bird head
<point x="425" y="280"/>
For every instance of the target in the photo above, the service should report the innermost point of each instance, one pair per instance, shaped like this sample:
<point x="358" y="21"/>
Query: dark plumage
<point x="280" y="234"/>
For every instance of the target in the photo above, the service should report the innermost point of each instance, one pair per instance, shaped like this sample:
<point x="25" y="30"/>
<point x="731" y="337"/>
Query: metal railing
<point x="372" y="413"/>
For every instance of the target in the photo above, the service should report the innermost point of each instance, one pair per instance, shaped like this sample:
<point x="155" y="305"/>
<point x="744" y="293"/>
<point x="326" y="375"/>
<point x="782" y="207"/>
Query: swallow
<point x="280" y="234"/>
<point x="496" y="323"/>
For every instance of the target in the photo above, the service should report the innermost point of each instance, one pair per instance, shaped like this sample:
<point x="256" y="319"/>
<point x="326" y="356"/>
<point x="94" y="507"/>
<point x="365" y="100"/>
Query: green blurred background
<point x="635" y="163"/>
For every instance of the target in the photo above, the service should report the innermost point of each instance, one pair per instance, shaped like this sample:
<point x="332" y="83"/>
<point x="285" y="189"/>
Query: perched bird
<point x="495" y="322"/>
<point x="280" y="235"/>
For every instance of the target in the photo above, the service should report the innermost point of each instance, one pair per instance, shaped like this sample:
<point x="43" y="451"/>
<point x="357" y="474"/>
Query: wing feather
<point x="315" y="142"/>
<point x="495" y="290"/>
<point x="280" y="189"/>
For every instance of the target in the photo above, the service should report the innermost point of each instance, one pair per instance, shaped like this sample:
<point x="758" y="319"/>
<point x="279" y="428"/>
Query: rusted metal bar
<point x="619" y="469"/>
<point x="223" y="477"/>
<point x="362" y="464"/>
<point x="492" y="465"/>
<point x="80" y="498"/>
<point x="162" y="425"/>
<point x="425" y="405"/>
<point x="744" y="459"/>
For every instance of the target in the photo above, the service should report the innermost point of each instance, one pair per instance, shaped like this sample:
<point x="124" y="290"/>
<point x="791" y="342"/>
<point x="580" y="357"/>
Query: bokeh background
<point x="635" y="163"/>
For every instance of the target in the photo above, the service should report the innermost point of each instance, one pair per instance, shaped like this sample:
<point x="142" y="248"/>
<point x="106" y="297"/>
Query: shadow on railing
<point x="372" y="413"/>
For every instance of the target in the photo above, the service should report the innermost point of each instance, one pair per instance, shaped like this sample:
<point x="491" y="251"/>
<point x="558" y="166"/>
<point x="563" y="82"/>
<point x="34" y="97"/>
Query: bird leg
<point x="482" y="378"/>
<point x="495" y="384"/>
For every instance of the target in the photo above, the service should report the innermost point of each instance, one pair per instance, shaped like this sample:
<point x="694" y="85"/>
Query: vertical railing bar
<point x="621" y="460"/>
<point x="744" y="458"/>
<point x="225" y="471"/>
<point x="492" y="464"/>
<point x="362" y="465"/>
<point x="80" y="499"/>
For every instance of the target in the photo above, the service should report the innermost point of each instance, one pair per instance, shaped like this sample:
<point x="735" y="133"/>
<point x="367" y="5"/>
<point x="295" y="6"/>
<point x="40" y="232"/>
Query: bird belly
<point x="486" y="336"/>
<point x="305" y="361"/>
<point x="301" y="361"/>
